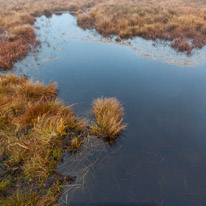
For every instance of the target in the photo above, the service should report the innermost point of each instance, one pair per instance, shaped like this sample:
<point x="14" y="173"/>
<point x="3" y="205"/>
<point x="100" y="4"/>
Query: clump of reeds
<point x="108" y="114"/>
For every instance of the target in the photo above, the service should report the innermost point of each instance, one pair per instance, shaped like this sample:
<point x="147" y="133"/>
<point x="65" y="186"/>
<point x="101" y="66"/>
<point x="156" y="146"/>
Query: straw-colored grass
<point x="17" y="36"/>
<point x="35" y="128"/>
<point x="33" y="125"/>
<point x="108" y="114"/>
<point x="180" y="21"/>
<point x="32" y="198"/>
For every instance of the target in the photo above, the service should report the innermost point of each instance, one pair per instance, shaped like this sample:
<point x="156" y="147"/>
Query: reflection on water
<point x="160" y="159"/>
<point x="65" y="28"/>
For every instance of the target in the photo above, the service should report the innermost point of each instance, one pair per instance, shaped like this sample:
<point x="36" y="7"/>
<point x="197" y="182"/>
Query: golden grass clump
<point x="108" y="114"/>
<point x="33" y="128"/>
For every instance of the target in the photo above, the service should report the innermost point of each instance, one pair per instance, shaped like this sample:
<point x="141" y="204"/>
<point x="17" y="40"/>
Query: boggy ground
<point x="17" y="35"/>
<point x="180" y="21"/>
<point x="35" y="129"/>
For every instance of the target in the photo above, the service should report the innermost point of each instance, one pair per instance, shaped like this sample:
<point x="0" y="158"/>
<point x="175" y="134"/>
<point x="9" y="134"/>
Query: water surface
<point x="160" y="158"/>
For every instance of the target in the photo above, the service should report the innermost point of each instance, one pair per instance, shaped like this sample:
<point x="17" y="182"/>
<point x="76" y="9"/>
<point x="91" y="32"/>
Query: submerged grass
<point x="108" y="114"/>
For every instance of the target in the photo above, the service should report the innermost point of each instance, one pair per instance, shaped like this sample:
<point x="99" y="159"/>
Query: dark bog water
<point x="161" y="157"/>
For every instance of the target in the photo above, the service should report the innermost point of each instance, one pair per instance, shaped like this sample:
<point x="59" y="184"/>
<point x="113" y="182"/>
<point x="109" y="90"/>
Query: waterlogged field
<point x="159" y="159"/>
<point x="181" y="22"/>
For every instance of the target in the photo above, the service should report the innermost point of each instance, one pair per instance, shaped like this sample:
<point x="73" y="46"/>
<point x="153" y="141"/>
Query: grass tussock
<point x="33" y="127"/>
<point x="108" y="114"/>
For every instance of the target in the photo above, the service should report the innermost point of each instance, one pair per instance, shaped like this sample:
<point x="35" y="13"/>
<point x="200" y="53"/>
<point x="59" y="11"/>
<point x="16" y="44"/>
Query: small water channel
<point x="160" y="158"/>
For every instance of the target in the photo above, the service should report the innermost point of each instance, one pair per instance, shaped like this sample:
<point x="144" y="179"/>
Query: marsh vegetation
<point x="35" y="129"/>
<point x="180" y="22"/>
<point x="32" y="128"/>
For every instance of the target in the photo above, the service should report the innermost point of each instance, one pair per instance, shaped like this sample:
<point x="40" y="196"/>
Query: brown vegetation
<point x="108" y="114"/>
<point x="16" y="39"/>
<point x="17" y="36"/>
<point x="180" y="21"/>
<point x="33" y="128"/>
<point x="85" y="21"/>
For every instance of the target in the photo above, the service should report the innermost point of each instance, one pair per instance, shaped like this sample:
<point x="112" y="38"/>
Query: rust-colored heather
<point x="108" y="114"/>
<point x="11" y="52"/>
<point x="18" y="39"/>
